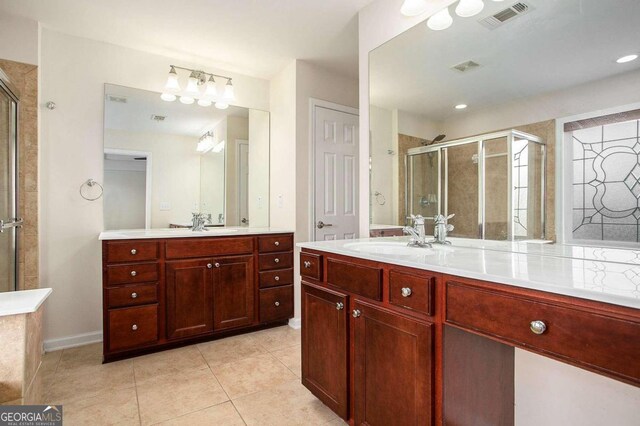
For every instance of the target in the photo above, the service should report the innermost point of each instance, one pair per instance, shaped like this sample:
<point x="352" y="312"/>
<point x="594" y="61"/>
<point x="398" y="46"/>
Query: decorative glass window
<point x="606" y="177"/>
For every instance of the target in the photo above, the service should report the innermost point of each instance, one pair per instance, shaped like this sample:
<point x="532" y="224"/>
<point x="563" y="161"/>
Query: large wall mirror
<point x="164" y="161"/>
<point x="467" y="121"/>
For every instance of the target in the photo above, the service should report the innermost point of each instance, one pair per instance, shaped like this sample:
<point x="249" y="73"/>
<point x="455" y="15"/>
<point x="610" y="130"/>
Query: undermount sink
<point x="391" y="248"/>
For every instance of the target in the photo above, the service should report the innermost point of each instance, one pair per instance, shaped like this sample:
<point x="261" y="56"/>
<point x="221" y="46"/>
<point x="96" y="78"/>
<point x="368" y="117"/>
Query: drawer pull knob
<point x="339" y="306"/>
<point x="134" y="273"/>
<point x="356" y="313"/>
<point x="277" y="278"/>
<point x="134" y="251"/>
<point x="276" y="260"/>
<point x="406" y="292"/>
<point x="209" y="265"/>
<point x="538" y="327"/>
<point x="134" y="327"/>
<point x="277" y="243"/>
<point x="277" y="303"/>
<point x="217" y="265"/>
<point x="134" y="295"/>
<point x="307" y="264"/>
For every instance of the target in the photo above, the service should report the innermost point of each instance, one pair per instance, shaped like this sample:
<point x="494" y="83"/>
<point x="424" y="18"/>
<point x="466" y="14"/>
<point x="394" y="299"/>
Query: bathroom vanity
<point x="427" y="335"/>
<point x="169" y="287"/>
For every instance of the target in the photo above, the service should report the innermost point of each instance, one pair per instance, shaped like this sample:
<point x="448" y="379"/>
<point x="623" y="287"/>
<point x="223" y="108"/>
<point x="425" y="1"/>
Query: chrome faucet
<point x="418" y="238"/>
<point x="198" y="222"/>
<point x="441" y="229"/>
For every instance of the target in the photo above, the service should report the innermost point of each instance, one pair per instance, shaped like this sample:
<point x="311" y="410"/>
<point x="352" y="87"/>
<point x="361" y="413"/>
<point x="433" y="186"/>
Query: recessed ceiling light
<point x="626" y="59"/>
<point x="461" y="106"/>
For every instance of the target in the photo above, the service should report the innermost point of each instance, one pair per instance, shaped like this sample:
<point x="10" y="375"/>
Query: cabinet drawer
<point x="311" y="266"/>
<point x="275" y="261"/>
<point x="411" y="291"/>
<point x="132" y="273"/>
<point x="276" y="278"/>
<point x="132" y="295"/>
<point x="206" y="247"/>
<point x="131" y="251"/>
<point x="275" y="243"/>
<point x="132" y="327"/>
<point x="575" y="335"/>
<point x="276" y="303"/>
<point x="363" y="280"/>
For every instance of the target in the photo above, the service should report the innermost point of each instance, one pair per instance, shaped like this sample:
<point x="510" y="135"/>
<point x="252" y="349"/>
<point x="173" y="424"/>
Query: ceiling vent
<point x="466" y="66"/>
<point x="158" y="117"/>
<point x="494" y="21"/>
<point x="117" y="99"/>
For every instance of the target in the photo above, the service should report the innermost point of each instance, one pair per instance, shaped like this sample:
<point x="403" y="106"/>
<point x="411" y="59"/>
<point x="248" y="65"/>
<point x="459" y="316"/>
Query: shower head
<point x="435" y="140"/>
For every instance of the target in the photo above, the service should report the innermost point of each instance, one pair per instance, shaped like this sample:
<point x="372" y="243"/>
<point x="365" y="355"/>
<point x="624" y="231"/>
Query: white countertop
<point x="595" y="273"/>
<point x="22" y="302"/>
<point x="379" y="226"/>
<point x="137" y="234"/>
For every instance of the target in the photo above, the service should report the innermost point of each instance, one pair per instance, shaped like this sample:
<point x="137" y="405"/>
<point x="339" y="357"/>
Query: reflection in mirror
<point x="164" y="161"/>
<point x="468" y="121"/>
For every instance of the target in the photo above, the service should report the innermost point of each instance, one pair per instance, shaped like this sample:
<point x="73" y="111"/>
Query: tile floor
<point x="252" y="379"/>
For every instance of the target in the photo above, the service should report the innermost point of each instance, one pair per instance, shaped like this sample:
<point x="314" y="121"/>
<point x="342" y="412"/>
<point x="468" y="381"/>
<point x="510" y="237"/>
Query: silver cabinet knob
<point x="406" y="292"/>
<point x="276" y="260"/>
<point x="134" y="327"/>
<point x="356" y="313"/>
<point x="277" y="303"/>
<point x="134" y="273"/>
<point x="134" y="251"/>
<point x="277" y="243"/>
<point x="277" y="278"/>
<point x="134" y="295"/>
<point x="307" y="264"/>
<point x="217" y="265"/>
<point x="209" y="265"/>
<point x="339" y="306"/>
<point x="537" y="327"/>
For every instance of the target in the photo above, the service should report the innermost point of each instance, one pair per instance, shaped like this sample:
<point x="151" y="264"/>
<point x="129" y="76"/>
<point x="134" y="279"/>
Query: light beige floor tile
<point x="223" y="414"/>
<point x="289" y="403"/>
<point x="291" y="358"/>
<point x="230" y="349"/>
<point x="337" y="422"/>
<point x="172" y="395"/>
<point x="167" y="362"/>
<point x="50" y="362"/>
<point x="278" y="338"/>
<point x="251" y="375"/>
<point x="118" y="407"/>
<point x="82" y="358"/>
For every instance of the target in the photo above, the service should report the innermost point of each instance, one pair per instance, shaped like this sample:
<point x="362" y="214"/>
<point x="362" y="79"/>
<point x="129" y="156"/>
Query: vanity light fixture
<point x="469" y="8"/>
<point x="440" y="21"/>
<point x="218" y="147"/>
<point x="627" y="58"/>
<point x="461" y="106"/>
<point x="192" y="92"/>
<point x="206" y="143"/>
<point x="413" y="7"/>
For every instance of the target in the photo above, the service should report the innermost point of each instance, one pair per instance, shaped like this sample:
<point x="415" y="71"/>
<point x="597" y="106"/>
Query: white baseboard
<point x="72" y="341"/>
<point x="295" y="323"/>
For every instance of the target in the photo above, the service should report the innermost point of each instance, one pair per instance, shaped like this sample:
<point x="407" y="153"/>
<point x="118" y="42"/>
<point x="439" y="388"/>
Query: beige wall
<point x="382" y="166"/>
<point x="20" y="39"/>
<point x="237" y="129"/>
<point x="259" y="168"/>
<point x="125" y="191"/>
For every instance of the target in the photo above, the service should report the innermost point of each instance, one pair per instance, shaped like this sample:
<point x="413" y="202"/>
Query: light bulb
<point x="461" y="106"/>
<point x="469" y="8"/>
<point x="192" y="84"/>
<point x="413" y="7"/>
<point x="211" y="89"/>
<point x="169" y="97"/>
<point x="229" y="94"/>
<point x="626" y="59"/>
<point x="187" y="100"/>
<point x="222" y="105"/>
<point x="218" y="147"/>
<point x="440" y="21"/>
<point x="172" y="81"/>
<point x="204" y="102"/>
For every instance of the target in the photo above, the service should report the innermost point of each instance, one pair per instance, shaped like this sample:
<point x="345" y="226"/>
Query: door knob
<point x="339" y="306"/>
<point x="406" y="292"/>
<point x="321" y="224"/>
<point x="134" y="327"/>
<point x="209" y="265"/>
<point x="277" y="303"/>
<point x="277" y="243"/>
<point x="134" y="295"/>
<point x="217" y="265"/>
<point x="538" y="327"/>
<point x="356" y="313"/>
<point x="307" y="264"/>
<point x="134" y="273"/>
<point x="134" y="251"/>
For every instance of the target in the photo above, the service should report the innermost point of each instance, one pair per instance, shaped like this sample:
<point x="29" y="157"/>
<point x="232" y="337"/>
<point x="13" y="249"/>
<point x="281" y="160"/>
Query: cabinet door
<point x="324" y="346"/>
<point x="393" y="368"/>
<point x="233" y="292"/>
<point x="189" y="298"/>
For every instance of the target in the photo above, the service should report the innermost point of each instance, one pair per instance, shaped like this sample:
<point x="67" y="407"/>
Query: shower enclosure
<point x="9" y="222"/>
<point x="494" y="183"/>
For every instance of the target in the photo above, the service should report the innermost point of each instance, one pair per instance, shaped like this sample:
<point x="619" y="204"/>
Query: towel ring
<point x="91" y="183"/>
<point x="380" y="198"/>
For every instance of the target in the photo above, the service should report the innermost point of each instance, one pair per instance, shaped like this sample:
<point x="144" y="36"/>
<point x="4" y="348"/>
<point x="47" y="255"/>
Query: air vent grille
<point x="466" y="66"/>
<point x="494" y="21"/>
<point x="117" y="99"/>
<point x="158" y="117"/>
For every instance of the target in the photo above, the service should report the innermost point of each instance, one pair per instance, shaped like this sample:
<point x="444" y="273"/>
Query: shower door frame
<point x="443" y="174"/>
<point x="13" y="94"/>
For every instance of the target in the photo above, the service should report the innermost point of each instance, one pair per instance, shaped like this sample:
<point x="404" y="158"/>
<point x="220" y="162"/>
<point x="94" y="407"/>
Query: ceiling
<point x="253" y="37"/>
<point x="136" y="114"/>
<point x="559" y="44"/>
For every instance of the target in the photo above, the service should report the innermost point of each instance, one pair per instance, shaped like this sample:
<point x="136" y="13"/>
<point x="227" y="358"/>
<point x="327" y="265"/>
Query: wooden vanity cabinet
<point x="162" y="293"/>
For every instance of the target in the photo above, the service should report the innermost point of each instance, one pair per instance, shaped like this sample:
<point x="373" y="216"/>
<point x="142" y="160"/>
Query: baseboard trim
<point x="72" y="341"/>
<point x="295" y="323"/>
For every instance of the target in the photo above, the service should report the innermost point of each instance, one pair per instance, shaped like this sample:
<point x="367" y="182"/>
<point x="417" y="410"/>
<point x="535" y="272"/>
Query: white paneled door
<point x="336" y="174"/>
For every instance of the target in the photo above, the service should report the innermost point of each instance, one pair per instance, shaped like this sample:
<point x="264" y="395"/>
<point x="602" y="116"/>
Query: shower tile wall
<point x="25" y="78"/>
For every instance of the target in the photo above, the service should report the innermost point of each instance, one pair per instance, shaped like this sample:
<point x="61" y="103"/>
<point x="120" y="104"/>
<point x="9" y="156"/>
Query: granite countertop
<point x="608" y="275"/>
<point x="138" y="234"/>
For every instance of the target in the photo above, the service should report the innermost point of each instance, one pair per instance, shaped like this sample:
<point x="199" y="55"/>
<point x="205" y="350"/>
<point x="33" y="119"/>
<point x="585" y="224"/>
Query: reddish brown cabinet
<point x="233" y="293"/>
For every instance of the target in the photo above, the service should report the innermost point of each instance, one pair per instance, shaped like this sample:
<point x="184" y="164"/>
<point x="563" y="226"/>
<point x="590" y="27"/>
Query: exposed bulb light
<point x="211" y="89"/>
<point x="627" y="58"/>
<point x="469" y="8"/>
<point x="168" y="97"/>
<point x="187" y="100"/>
<point x="461" y="106"/>
<point x="204" y="102"/>
<point x="172" y="81"/>
<point x="192" y="84"/>
<point x="222" y="105"/>
<point x="440" y="21"/>
<point x="206" y="143"/>
<point x="218" y="147"/>
<point x="413" y="7"/>
<point x="229" y="94"/>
